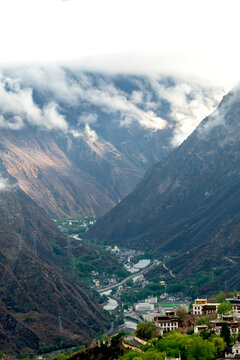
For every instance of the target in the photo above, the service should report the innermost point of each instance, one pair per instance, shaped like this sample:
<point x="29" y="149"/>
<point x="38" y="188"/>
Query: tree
<point x="150" y="355"/>
<point x="130" y="283"/>
<point x="181" y="311"/>
<point x="146" y="331"/>
<point x="199" y="349"/>
<point x="220" y="297"/>
<point x="224" y="308"/>
<point x="225" y="333"/>
<point x="219" y="345"/>
<point x="202" y="321"/>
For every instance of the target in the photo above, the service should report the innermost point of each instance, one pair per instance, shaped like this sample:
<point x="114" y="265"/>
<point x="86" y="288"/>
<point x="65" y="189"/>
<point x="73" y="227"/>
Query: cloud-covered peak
<point x="68" y="99"/>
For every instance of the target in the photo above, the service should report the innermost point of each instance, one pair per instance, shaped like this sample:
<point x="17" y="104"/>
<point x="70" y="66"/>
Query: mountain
<point x="79" y="142"/>
<point x="41" y="303"/>
<point x="188" y="204"/>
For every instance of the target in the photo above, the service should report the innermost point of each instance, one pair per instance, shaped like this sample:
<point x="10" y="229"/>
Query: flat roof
<point x="171" y="304"/>
<point x="201" y="326"/>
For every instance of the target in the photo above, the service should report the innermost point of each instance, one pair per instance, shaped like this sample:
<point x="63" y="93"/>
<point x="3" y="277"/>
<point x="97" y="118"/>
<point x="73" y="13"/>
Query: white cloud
<point x="113" y="100"/>
<point x="4" y="184"/>
<point x="88" y="118"/>
<point x="189" y="101"/>
<point x="17" y="105"/>
<point x="104" y="94"/>
<point x="190" y="104"/>
<point x="218" y="117"/>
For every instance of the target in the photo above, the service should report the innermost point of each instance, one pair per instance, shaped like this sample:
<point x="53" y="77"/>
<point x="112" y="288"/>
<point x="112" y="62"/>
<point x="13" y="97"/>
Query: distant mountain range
<point x="78" y="142"/>
<point x="75" y="143"/>
<point x="188" y="204"/>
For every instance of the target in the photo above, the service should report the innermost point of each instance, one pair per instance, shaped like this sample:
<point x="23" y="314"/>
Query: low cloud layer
<point x="4" y="184"/>
<point x="142" y="100"/>
<point x="220" y="116"/>
<point x="190" y="104"/>
<point x="17" y="106"/>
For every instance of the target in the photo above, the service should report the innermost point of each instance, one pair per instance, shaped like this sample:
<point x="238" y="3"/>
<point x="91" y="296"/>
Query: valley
<point x="119" y="180"/>
<point x="149" y="278"/>
<point x="88" y="239"/>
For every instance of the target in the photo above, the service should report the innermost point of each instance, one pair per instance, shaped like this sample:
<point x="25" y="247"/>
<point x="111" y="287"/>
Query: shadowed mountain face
<point x="78" y="142"/>
<point x="188" y="203"/>
<point x="38" y="299"/>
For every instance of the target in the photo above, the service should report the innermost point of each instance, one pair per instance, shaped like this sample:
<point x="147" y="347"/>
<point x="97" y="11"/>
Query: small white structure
<point x="149" y="317"/>
<point x="115" y="249"/>
<point x="144" y="307"/>
<point x="236" y="349"/>
<point x="199" y="328"/>
<point x="151" y="300"/>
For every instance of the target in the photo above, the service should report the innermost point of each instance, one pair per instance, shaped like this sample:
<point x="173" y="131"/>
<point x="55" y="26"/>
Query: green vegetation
<point x="146" y="331"/>
<point x="225" y="333"/>
<point x="77" y="225"/>
<point x="56" y="248"/>
<point x="190" y="286"/>
<point x="94" y="262"/>
<point x="64" y="354"/>
<point x="173" y="344"/>
<point x="138" y="293"/>
<point x="224" y="308"/>
<point x="220" y="297"/>
<point x="202" y="321"/>
<point x="67" y="353"/>
<point x="102" y="264"/>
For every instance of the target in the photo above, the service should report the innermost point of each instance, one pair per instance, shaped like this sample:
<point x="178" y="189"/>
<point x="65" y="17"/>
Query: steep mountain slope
<point x="189" y="202"/>
<point x="39" y="303"/>
<point x="47" y="175"/>
<point x="73" y="175"/>
<point x="80" y="142"/>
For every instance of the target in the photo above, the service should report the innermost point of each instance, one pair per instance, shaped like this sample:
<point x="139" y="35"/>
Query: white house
<point x="199" y="328"/>
<point x="166" y="323"/>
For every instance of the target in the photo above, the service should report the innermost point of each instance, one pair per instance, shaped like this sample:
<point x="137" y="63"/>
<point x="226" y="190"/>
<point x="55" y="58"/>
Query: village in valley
<point x="134" y="301"/>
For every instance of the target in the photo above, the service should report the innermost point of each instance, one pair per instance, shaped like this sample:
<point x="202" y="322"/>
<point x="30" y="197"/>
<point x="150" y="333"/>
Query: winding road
<point x="128" y="278"/>
<point x="170" y="271"/>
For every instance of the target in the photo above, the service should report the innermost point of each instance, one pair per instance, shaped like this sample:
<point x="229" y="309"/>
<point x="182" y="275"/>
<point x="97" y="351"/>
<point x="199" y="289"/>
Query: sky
<point x="190" y="39"/>
<point x="196" y="42"/>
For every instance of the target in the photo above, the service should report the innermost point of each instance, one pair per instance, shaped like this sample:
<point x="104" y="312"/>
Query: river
<point x="111" y="303"/>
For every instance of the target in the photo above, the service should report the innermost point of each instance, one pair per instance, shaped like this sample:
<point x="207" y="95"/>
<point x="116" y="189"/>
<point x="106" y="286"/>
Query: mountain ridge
<point x="36" y="283"/>
<point x="188" y="199"/>
<point x="79" y="142"/>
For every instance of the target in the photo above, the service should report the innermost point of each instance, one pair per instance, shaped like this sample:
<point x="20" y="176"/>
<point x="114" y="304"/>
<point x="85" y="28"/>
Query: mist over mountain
<point x="188" y="203"/>
<point x="79" y="142"/>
